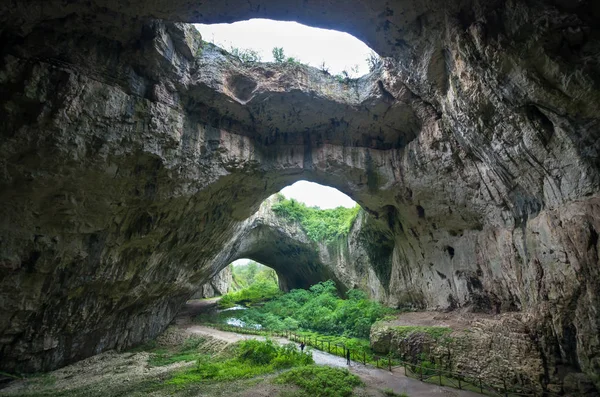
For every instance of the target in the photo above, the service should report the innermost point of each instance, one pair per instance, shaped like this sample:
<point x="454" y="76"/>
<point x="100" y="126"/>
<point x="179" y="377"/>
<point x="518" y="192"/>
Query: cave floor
<point x="128" y="373"/>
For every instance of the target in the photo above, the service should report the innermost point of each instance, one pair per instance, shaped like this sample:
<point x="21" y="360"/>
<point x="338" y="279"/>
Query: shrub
<point x="246" y="55"/>
<point x="278" y="54"/>
<point x="323" y="381"/>
<point x="252" y="358"/>
<point x="319" y="225"/>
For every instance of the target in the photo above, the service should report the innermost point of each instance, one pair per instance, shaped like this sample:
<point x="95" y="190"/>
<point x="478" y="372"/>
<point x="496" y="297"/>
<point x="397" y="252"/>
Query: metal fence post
<point x="364" y="358"/>
<point x="480" y="386"/>
<point x="505" y="391"/>
<point x="389" y="363"/>
<point x="329" y="346"/>
<point x="459" y="385"/>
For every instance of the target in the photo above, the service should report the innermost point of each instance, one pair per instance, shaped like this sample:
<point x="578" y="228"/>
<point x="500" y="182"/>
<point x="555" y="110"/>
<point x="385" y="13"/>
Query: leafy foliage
<point x="246" y="55"/>
<point x="252" y="358"/>
<point x="319" y="380"/>
<point x="257" y="292"/>
<point x="278" y="54"/>
<point x="319" y="225"/>
<point x="257" y="283"/>
<point x="246" y="275"/>
<point x="318" y="309"/>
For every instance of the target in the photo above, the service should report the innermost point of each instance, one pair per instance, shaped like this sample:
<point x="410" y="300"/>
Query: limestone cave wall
<point x="131" y="154"/>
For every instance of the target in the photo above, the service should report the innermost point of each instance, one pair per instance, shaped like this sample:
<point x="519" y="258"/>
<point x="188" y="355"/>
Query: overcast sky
<point x="313" y="194"/>
<point x="340" y="51"/>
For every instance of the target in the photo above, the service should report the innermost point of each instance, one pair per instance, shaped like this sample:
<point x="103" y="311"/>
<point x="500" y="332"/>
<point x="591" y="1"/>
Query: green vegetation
<point x="278" y="55"/>
<point x="319" y="225"/>
<point x="253" y="283"/>
<point x="245" y="275"/>
<point x="318" y="309"/>
<point x="188" y="351"/>
<point x="323" y="381"/>
<point x="246" y="55"/>
<point x="251" y="358"/>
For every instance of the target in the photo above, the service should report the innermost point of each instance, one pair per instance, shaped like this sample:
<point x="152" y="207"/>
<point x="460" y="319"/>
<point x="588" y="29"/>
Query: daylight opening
<point x="315" y="195"/>
<point x="264" y="40"/>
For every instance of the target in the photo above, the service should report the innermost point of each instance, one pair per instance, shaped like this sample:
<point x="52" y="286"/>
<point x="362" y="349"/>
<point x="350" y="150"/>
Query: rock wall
<point x="216" y="286"/>
<point x="496" y="349"/>
<point x="131" y="155"/>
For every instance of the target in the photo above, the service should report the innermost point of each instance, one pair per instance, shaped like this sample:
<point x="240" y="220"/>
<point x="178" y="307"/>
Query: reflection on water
<point x="232" y="308"/>
<point x="236" y="322"/>
<point x="230" y="318"/>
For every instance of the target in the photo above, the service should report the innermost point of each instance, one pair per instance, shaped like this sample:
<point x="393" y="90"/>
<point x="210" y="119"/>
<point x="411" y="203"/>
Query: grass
<point x="322" y="381"/>
<point x="252" y="358"/>
<point x="190" y="350"/>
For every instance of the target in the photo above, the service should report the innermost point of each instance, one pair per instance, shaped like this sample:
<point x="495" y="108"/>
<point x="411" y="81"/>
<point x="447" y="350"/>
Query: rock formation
<point x="131" y="155"/>
<point x="216" y="286"/>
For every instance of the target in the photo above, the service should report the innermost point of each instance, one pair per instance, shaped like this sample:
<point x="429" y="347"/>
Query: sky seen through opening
<point x="313" y="46"/>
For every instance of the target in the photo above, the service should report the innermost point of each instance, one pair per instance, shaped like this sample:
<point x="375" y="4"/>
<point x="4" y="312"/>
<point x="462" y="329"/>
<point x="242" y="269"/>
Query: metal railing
<point x="421" y="372"/>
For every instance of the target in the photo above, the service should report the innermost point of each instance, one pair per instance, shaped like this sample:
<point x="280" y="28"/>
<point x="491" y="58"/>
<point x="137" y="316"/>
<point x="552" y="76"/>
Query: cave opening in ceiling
<point x="264" y="40"/>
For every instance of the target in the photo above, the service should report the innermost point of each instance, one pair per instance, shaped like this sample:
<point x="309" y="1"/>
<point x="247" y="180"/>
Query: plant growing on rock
<point x="373" y="60"/>
<point x="319" y="225"/>
<point x="278" y="54"/>
<point x="246" y="55"/>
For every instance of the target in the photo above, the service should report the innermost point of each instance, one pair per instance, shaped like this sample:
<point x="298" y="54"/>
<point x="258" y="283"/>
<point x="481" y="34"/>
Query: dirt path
<point x="373" y="377"/>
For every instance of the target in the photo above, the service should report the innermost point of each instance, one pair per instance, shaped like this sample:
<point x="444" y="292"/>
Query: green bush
<point x="321" y="381"/>
<point x="319" y="225"/>
<point x="246" y="55"/>
<point x="278" y="54"/>
<point x="252" y="357"/>
<point x="318" y="309"/>
<point x="257" y="292"/>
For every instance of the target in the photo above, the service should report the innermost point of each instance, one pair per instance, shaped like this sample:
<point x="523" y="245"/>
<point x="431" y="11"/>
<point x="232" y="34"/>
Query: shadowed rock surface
<point x="131" y="156"/>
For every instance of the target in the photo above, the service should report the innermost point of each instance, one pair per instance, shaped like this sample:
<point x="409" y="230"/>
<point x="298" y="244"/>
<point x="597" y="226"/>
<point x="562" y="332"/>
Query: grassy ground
<point x="185" y="367"/>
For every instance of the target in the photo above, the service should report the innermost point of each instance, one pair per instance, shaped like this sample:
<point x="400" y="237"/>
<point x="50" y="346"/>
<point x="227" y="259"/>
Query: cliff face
<point x="216" y="286"/>
<point x="131" y="156"/>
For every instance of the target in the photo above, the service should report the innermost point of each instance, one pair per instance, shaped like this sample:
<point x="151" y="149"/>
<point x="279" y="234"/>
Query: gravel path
<point x="373" y="377"/>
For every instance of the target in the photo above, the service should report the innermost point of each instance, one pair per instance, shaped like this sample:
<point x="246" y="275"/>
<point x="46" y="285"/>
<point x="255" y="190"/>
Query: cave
<point x="133" y="157"/>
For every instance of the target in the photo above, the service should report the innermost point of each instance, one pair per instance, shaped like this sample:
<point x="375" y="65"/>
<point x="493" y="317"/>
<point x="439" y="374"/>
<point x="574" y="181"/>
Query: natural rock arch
<point x="125" y="163"/>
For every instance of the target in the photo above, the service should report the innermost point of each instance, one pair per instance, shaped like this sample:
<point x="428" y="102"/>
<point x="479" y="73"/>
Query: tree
<point x="278" y="54"/>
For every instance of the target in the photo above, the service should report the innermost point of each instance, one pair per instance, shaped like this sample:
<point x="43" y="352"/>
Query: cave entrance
<point x="246" y="273"/>
<point x="295" y="232"/>
<point x="264" y="40"/>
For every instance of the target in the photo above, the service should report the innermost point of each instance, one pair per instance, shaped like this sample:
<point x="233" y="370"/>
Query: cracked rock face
<point x="131" y="156"/>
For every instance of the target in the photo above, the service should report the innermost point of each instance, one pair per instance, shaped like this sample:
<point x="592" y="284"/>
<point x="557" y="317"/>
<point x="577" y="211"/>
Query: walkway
<point x="373" y="377"/>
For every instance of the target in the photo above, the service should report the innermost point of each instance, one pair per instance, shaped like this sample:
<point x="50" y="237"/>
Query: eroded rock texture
<point x="216" y="286"/>
<point x="131" y="156"/>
